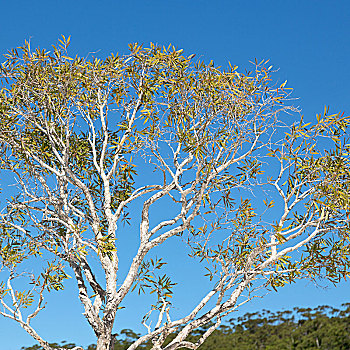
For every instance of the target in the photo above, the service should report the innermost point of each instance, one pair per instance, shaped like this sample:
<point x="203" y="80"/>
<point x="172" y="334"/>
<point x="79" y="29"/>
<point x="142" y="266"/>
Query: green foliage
<point x="63" y="344"/>
<point x="148" y="278"/>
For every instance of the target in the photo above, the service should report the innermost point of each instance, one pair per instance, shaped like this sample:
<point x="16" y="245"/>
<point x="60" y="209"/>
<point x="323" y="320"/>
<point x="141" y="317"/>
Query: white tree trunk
<point x="104" y="342"/>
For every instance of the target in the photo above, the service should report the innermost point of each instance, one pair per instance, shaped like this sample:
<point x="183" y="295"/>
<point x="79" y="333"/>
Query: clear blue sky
<point x="308" y="40"/>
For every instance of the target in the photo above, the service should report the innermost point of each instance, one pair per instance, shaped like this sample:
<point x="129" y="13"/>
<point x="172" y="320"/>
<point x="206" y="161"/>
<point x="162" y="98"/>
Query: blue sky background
<point x="308" y="40"/>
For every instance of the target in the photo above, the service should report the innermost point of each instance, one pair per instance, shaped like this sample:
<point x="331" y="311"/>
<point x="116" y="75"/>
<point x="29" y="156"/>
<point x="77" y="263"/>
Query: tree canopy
<point x="259" y="196"/>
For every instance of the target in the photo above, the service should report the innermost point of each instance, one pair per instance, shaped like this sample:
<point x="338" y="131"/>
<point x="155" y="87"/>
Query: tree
<point x="76" y="137"/>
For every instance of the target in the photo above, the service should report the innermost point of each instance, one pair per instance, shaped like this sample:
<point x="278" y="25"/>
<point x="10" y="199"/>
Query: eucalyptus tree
<point x="258" y="199"/>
